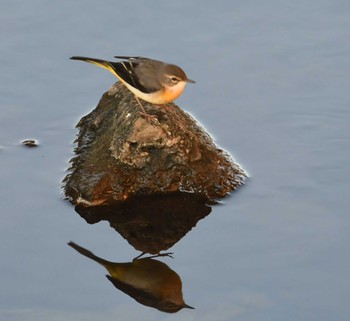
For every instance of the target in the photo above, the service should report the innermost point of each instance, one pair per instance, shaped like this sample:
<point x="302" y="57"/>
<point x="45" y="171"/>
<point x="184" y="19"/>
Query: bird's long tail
<point x="88" y="254"/>
<point x="98" y="62"/>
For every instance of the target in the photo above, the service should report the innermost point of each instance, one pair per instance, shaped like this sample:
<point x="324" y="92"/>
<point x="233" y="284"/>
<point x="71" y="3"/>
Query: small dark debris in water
<point x="30" y="143"/>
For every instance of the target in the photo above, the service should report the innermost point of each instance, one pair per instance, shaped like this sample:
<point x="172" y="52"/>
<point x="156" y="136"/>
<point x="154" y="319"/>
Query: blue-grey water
<point x="273" y="88"/>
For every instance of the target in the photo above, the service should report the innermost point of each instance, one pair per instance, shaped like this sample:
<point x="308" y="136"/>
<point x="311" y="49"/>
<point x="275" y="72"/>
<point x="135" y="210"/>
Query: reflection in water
<point x="151" y="223"/>
<point x="148" y="281"/>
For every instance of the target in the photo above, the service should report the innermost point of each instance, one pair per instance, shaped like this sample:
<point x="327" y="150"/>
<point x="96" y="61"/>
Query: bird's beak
<point x="188" y="306"/>
<point x="191" y="81"/>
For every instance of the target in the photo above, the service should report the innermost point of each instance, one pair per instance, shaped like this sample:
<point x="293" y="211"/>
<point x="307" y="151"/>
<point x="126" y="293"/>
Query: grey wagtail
<point x="149" y="282"/>
<point x="151" y="80"/>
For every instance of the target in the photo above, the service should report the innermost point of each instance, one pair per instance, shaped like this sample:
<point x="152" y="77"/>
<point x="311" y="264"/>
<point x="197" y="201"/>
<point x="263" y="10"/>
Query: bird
<point x="149" y="281"/>
<point x="153" y="81"/>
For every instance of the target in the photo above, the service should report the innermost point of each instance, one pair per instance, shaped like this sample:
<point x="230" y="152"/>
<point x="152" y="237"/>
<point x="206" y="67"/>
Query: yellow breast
<point x="164" y="96"/>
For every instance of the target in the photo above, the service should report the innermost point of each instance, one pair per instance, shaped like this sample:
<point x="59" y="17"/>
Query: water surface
<point x="273" y="89"/>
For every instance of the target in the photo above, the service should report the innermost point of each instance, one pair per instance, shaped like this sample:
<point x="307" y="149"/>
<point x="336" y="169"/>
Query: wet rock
<point x="121" y="154"/>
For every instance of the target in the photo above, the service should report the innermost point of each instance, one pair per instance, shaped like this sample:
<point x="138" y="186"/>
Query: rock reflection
<point x="151" y="223"/>
<point x="149" y="281"/>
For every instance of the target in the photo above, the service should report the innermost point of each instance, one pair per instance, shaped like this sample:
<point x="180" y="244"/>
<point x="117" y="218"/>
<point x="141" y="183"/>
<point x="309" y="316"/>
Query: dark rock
<point x="120" y="154"/>
<point x="152" y="179"/>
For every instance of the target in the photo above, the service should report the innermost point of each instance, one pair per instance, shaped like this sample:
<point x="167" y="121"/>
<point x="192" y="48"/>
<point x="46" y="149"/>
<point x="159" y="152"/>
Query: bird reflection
<point x="149" y="281"/>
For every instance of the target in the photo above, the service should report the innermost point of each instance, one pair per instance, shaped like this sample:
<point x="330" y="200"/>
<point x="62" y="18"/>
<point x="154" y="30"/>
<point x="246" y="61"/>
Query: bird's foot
<point x="165" y="107"/>
<point x="168" y="254"/>
<point x="148" y="116"/>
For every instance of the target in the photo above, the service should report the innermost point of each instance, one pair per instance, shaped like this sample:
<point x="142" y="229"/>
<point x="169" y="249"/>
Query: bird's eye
<point x="174" y="79"/>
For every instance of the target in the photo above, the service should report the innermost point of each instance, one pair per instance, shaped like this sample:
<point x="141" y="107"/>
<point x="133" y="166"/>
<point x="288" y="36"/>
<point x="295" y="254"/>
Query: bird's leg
<point x="143" y="111"/>
<point x="137" y="257"/>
